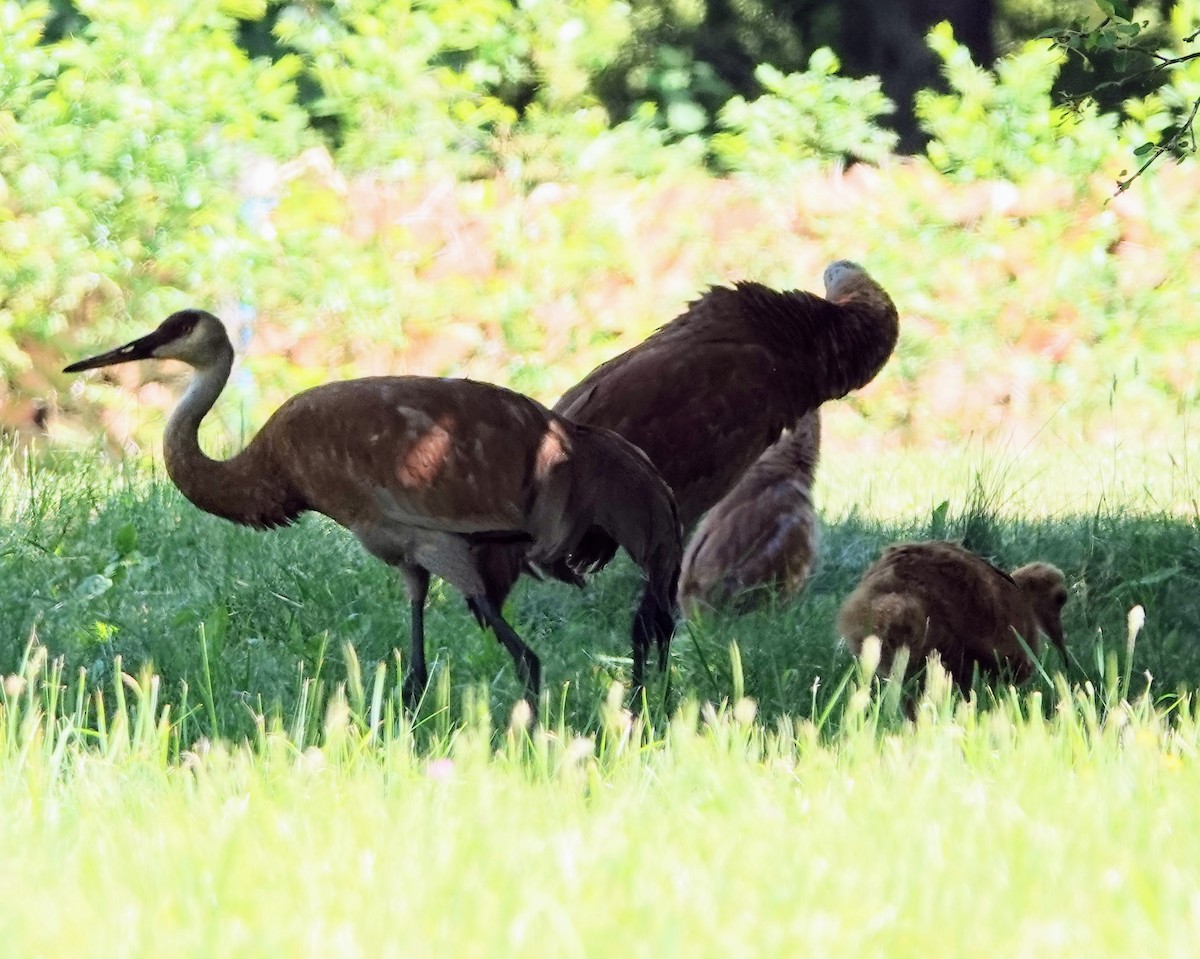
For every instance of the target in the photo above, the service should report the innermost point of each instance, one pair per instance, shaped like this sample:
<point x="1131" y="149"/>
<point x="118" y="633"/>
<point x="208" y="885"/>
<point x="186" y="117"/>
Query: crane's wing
<point x="701" y="412"/>
<point x="452" y="456"/>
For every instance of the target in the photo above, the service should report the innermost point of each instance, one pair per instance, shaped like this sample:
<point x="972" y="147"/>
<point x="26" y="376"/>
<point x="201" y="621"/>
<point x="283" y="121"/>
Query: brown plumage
<point x="762" y="536"/>
<point x="427" y="473"/>
<point x="708" y="392"/>
<point x="939" y="597"/>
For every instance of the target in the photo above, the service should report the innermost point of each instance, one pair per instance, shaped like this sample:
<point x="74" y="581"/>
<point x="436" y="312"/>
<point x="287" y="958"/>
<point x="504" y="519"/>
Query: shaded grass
<point x="99" y="562"/>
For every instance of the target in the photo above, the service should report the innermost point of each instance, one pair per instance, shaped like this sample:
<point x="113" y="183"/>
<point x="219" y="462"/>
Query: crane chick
<point x="427" y="473"/>
<point x="762" y="536"/>
<point x="939" y="597"/>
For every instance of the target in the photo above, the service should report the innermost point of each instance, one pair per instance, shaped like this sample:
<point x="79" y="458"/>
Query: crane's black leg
<point x="529" y="668"/>
<point x="961" y="667"/>
<point x="641" y="646"/>
<point x="651" y="623"/>
<point x="416" y="579"/>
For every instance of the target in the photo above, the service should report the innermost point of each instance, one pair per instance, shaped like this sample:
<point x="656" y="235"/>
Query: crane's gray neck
<point x="794" y="456"/>
<point x="200" y="478"/>
<point x="246" y="489"/>
<point x="183" y="428"/>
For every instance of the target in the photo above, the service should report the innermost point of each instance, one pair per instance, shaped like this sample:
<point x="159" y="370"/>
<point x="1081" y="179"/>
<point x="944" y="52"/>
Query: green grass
<point x="99" y="562"/>
<point x="202" y="751"/>
<point x="966" y="833"/>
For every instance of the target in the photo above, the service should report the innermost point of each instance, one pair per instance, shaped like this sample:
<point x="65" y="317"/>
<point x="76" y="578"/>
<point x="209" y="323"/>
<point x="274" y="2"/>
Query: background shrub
<point x="814" y="115"/>
<point x="121" y="193"/>
<point x="494" y="221"/>
<point x="1006" y="123"/>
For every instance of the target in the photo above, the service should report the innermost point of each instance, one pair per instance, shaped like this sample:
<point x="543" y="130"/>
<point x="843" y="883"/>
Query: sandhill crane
<point x="763" y="533"/>
<point x="425" y="472"/>
<point x="938" y="597"/>
<point x="708" y="392"/>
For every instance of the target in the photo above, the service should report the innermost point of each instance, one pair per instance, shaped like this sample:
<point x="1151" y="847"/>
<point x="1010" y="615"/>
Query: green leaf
<point x="686" y="116"/>
<point x="937" y="521"/>
<point x="126" y="540"/>
<point x="1143" y="149"/>
<point x="1116" y="8"/>
<point x="824" y="61"/>
<point x="244" y="9"/>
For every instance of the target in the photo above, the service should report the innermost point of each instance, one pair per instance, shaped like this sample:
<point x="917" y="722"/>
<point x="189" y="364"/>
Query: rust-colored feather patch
<point x="425" y="459"/>
<point x="553" y="450"/>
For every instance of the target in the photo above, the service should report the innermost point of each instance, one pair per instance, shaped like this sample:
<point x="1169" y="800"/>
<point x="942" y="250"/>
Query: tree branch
<point x="1171" y="143"/>
<point x="1109" y="35"/>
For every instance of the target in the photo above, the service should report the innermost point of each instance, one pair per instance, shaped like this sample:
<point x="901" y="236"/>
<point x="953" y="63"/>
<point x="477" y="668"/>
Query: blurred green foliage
<point x="122" y="147"/>
<point x="1005" y="123"/>
<point x="409" y="84"/>
<point x="1156" y="74"/>
<point x="814" y="115"/>
<point x="482" y="212"/>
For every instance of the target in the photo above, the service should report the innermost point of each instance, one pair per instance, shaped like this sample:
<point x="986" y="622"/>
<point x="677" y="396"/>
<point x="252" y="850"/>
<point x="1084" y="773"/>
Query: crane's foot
<point x="413" y="691"/>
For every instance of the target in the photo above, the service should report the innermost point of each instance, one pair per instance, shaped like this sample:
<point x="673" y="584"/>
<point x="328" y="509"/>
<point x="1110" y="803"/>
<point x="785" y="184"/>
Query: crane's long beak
<point x="140" y="349"/>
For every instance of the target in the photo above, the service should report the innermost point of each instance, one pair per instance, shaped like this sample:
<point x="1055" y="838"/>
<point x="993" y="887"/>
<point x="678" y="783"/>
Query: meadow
<point x="203" y="751"/>
<point x="202" y="747"/>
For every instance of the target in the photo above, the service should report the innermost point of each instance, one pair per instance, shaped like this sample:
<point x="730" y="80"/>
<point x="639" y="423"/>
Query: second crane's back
<point x="708" y="392"/>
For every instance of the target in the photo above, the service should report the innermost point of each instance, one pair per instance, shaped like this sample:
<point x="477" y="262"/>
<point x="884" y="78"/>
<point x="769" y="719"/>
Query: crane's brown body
<point x="939" y="597"/>
<point x="707" y="393"/>
<point x="426" y="473"/>
<point x="761" y="538"/>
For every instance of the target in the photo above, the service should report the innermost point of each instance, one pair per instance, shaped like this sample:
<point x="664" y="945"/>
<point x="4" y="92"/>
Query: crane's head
<point x="193" y="336"/>
<point x="1046" y="589"/>
<point x="841" y="275"/>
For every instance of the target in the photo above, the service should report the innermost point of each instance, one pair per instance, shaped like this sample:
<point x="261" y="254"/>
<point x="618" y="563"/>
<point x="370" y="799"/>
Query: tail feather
<point x="895" y="618"/>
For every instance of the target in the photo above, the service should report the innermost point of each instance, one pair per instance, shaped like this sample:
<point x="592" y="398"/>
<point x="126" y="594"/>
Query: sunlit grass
<point x="967" y="833"/>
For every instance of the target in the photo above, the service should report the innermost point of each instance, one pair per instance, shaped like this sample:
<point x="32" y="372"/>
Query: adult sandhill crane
<point x="425" y="472"/>
<point x="938" y="597"/>
<point x="708" y="392"/>
<point x="763" y="534"/>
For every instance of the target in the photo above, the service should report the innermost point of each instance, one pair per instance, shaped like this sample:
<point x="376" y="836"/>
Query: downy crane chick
<point x="762" y="536"/>
<point x="939" y="597"/>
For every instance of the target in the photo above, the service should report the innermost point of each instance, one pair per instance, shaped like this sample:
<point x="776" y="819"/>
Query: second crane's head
<point x="854" y="289"/>
<point x="845" y="279"/>
<point x="193" y="336"/>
